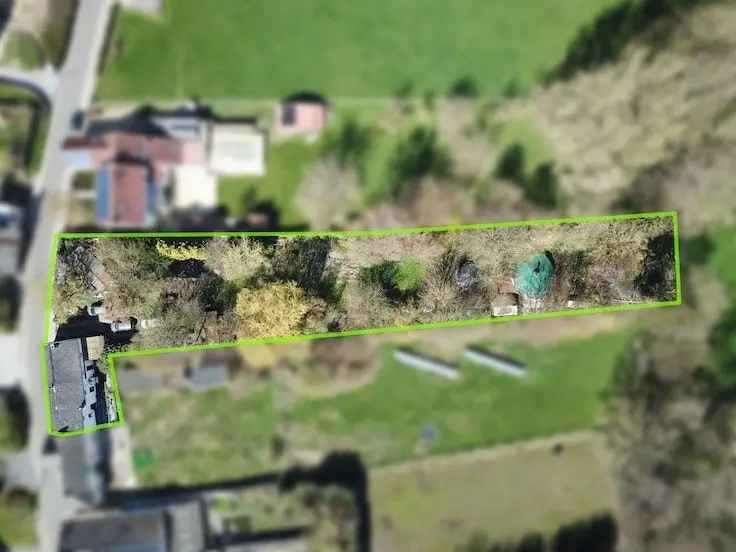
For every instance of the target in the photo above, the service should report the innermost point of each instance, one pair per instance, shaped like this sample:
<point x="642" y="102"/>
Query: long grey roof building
<point x="76" y="387"/>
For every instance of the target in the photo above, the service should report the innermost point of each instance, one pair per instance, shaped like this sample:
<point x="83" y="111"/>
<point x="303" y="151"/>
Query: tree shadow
<point x="657" y="278"/>
<point x="607" y="36"/>
<point x="346" y="470"/>
<point x="343" y="469"/>
<point x="598" y="533"/>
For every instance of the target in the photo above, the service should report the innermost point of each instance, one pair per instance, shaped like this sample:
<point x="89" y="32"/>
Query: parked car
<point x="95" y="310"/>
<point x="78" y="119"/>
<point x="121" y="325"/>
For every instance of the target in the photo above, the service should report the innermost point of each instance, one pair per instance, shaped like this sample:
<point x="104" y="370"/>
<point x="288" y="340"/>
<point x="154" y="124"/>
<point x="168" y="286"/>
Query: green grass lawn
<point x="288" y="162"/>
<point x="248" y="48"/>
<point x="723" y="257"/>
<point x="522" y="131"/>
<point x="202" y="437"/>
<point x="508" y="495"/>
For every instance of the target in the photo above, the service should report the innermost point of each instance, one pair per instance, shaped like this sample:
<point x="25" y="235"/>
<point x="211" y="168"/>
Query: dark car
<point x="78" y="118"/>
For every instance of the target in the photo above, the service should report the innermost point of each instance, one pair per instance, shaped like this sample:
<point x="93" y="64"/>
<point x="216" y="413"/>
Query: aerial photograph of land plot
<point x="205" y="290"/>
<point x="367" y="276"/>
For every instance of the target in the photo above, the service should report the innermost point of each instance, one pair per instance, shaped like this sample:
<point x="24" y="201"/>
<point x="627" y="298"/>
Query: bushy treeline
<point x="605" y="39"/>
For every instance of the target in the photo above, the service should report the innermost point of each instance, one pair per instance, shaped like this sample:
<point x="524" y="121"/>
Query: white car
<point x="121" y="325"/>
<point x="149" y="323"/>
<point x="95" y="310"/>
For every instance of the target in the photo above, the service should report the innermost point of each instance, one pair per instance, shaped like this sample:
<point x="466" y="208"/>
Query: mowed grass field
<point x="436" y="505"/>
<point x="205" y="437"/>
<point x="363" y="48"/>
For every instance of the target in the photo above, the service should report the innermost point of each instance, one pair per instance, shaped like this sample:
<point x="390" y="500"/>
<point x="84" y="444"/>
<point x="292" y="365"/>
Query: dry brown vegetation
<point x="673" y="449"/>
<point x="216" y="290"/>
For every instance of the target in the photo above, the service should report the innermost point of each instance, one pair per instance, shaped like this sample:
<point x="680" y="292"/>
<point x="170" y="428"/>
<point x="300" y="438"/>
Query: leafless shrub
<point x="236" y="260"/>
<point x="329" y="194"/>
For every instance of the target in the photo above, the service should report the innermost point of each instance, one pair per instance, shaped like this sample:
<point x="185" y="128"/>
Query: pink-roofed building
<point x="301" y="116"/>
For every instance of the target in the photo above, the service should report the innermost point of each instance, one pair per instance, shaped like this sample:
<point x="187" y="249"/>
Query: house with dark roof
<point x="123" y="532"/>
<point x="76" y="387"/>
<point x="175" y="527"/>
<point x="85" y="466"/>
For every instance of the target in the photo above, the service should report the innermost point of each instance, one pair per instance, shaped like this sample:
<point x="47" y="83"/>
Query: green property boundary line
<point x="112" y="357"/>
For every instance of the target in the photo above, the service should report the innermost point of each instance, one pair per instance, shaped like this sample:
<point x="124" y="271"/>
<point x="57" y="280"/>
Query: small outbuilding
<point x="302" y="115"/>
<point x="495" y="362"/>
<point x="237" y="150"/>
<point x="505" y="304"/>
<point x="426" y="364"/>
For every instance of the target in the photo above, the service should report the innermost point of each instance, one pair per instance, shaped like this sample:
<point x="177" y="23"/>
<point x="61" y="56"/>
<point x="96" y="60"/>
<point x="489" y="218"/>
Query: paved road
<point x="74" y="89"/>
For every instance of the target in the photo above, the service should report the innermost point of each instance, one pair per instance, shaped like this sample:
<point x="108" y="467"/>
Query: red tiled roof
<point x="128" y="193"/>
<point x="153" y="148"/>
<point x="83" y="142"/>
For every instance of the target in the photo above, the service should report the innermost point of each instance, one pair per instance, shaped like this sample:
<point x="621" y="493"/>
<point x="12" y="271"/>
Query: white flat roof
<point x="238" y="150"/>
<point x="194" y="187"/>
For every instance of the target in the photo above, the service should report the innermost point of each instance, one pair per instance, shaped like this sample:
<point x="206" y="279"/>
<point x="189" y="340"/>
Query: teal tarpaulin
<point x="534" y="277"/>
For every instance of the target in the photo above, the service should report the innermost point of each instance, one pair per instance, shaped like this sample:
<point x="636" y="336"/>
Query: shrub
<point x="542" y="188"/>
<point x="417" y="155"/>
<point x="399" y="280"/>
<point x="23" y="48"/>
<point x="348" y="143"/>
<point x="273" y="310"/>
<point x="409" y="276"/>
<point x="305" y="262"/>
<point x="236" y="261"/>
<point x="9" y="303"/>
<point x="511" y="164"/>
<point x="512" y="89"/>
<point x="181" y="252"/>
<point x="329" y="194"/>
<point x="657" y="278"/>
<point x="464" y="87"/>
<point x="71" y="293"/>
<point x="13" y="421"/>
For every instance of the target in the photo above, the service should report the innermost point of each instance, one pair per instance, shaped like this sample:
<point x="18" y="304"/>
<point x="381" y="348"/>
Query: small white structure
<point x="194" y="187"/>
<point x="495" y="362"/>
<point x="237" y="149"/>
<point x="424" y="364"/>
<point x="505" y="304"/>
